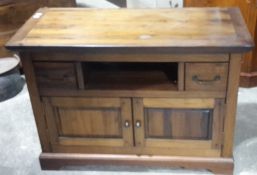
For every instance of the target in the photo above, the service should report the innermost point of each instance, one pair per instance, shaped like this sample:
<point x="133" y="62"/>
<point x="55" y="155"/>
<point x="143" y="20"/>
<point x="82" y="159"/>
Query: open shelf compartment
<point x="130" y="76"/>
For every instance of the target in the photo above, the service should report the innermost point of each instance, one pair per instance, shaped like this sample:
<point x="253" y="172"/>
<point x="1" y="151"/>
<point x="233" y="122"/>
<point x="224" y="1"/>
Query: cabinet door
<point x="89" y="121"/>
<point x="188" y="127"/>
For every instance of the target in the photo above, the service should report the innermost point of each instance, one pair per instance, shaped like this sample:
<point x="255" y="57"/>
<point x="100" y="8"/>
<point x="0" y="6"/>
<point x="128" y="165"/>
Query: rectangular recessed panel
<point x="100" y="123"/>
<point x="178" y="124"/>
<point x="55" y="75"/>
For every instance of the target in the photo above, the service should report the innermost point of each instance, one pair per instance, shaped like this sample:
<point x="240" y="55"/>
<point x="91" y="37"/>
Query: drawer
<point x="55" y="75"/>
<point x="206" y="76"/>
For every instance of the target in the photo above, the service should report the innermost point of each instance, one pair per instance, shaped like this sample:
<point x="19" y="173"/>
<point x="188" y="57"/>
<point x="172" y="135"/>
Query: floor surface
<point x="19" y="144"/>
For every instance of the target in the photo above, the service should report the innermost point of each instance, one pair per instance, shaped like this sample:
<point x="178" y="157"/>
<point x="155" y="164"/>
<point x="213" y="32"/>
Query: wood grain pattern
<point x="179" y="103"/>
<point x="59" y="3"/>
<point x="132" y="93"/>
<point x="97" y="123"/>
<point x="56" y="75"/>
<point x="218" y="124"/>
<point x="37" y="106"/>
<point x="181" y="76"/>
<point x="191" y="150"/>
<point x="231" y="104"/>
<point x="128" y="57"/>
<point x="161" y="123"/>
<point x="178" y="124"/>
<point x="210" y="29"/>
<point x="89" y="121"/>
<point x="206" y="76"/>
<point x="105" y="111"/>
<point x="209" y="3"/>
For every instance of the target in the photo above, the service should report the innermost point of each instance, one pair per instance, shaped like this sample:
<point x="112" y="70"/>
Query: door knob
<point x="126" y="124"/>
<point x="138" y="124"/>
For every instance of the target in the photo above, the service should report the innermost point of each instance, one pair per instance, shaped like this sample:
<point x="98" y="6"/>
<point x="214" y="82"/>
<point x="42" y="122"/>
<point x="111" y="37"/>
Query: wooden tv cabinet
<point x="134" y="87"/>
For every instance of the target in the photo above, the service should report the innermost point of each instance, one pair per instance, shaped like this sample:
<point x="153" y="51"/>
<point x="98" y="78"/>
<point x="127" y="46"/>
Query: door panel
<point x="179" y="124"/>
<point x="89" y="121"/>
<point x="104" y="123"/>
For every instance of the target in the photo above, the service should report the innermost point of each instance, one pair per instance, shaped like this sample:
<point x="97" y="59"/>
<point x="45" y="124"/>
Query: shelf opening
<point x="130" y="76"/>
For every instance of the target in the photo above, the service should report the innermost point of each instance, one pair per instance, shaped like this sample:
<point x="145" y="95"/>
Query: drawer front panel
<point x="178" y="124"/>
<point x="55" y="75"/>
<point x="206" y="76"/>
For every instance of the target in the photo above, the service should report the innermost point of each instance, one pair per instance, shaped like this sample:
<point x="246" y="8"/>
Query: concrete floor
<point x="19" y="144"/>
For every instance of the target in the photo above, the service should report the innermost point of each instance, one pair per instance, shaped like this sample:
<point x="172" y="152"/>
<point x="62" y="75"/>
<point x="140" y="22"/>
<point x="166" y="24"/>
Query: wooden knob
<point x="138" y="124"/>
<point x="126" y="124"/>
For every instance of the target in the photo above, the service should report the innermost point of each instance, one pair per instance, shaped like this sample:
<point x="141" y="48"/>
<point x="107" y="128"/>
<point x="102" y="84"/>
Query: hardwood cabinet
<point x="151" y="92"/>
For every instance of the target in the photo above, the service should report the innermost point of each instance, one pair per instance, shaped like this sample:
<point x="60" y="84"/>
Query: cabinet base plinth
<point x="55" y="161"/>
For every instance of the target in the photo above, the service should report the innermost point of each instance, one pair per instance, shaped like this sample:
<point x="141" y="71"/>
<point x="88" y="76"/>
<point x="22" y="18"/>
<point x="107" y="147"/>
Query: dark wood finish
<point x="215" y="165"/>
<point x="132" y="93"/>
<point x="190" y="124"/>
<point x="132" y="76"/>
<point x="58" y="3"/>
<point x="126" y="93"/>
<point x="128" y="57"/>
<point x="56" y="75"/>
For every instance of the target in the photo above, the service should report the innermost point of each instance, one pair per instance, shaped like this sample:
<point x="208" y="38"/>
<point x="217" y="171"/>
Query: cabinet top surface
<point x="180" y="30"/>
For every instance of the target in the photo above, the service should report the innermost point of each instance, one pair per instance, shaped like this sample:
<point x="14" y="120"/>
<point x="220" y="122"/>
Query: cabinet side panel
<point x="35" y="101"/>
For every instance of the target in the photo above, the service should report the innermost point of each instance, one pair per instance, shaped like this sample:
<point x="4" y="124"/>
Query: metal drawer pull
<point x="138" y="124"/>
<point x="199" y="81"/>
<point x="126" y="124"/>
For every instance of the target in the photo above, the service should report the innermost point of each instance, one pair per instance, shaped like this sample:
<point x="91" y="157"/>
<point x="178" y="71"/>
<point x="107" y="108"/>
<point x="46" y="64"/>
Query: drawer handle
<point x="126" y="124"/>
<point x="138" y="124"/>
<point x="197" y="80"/>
